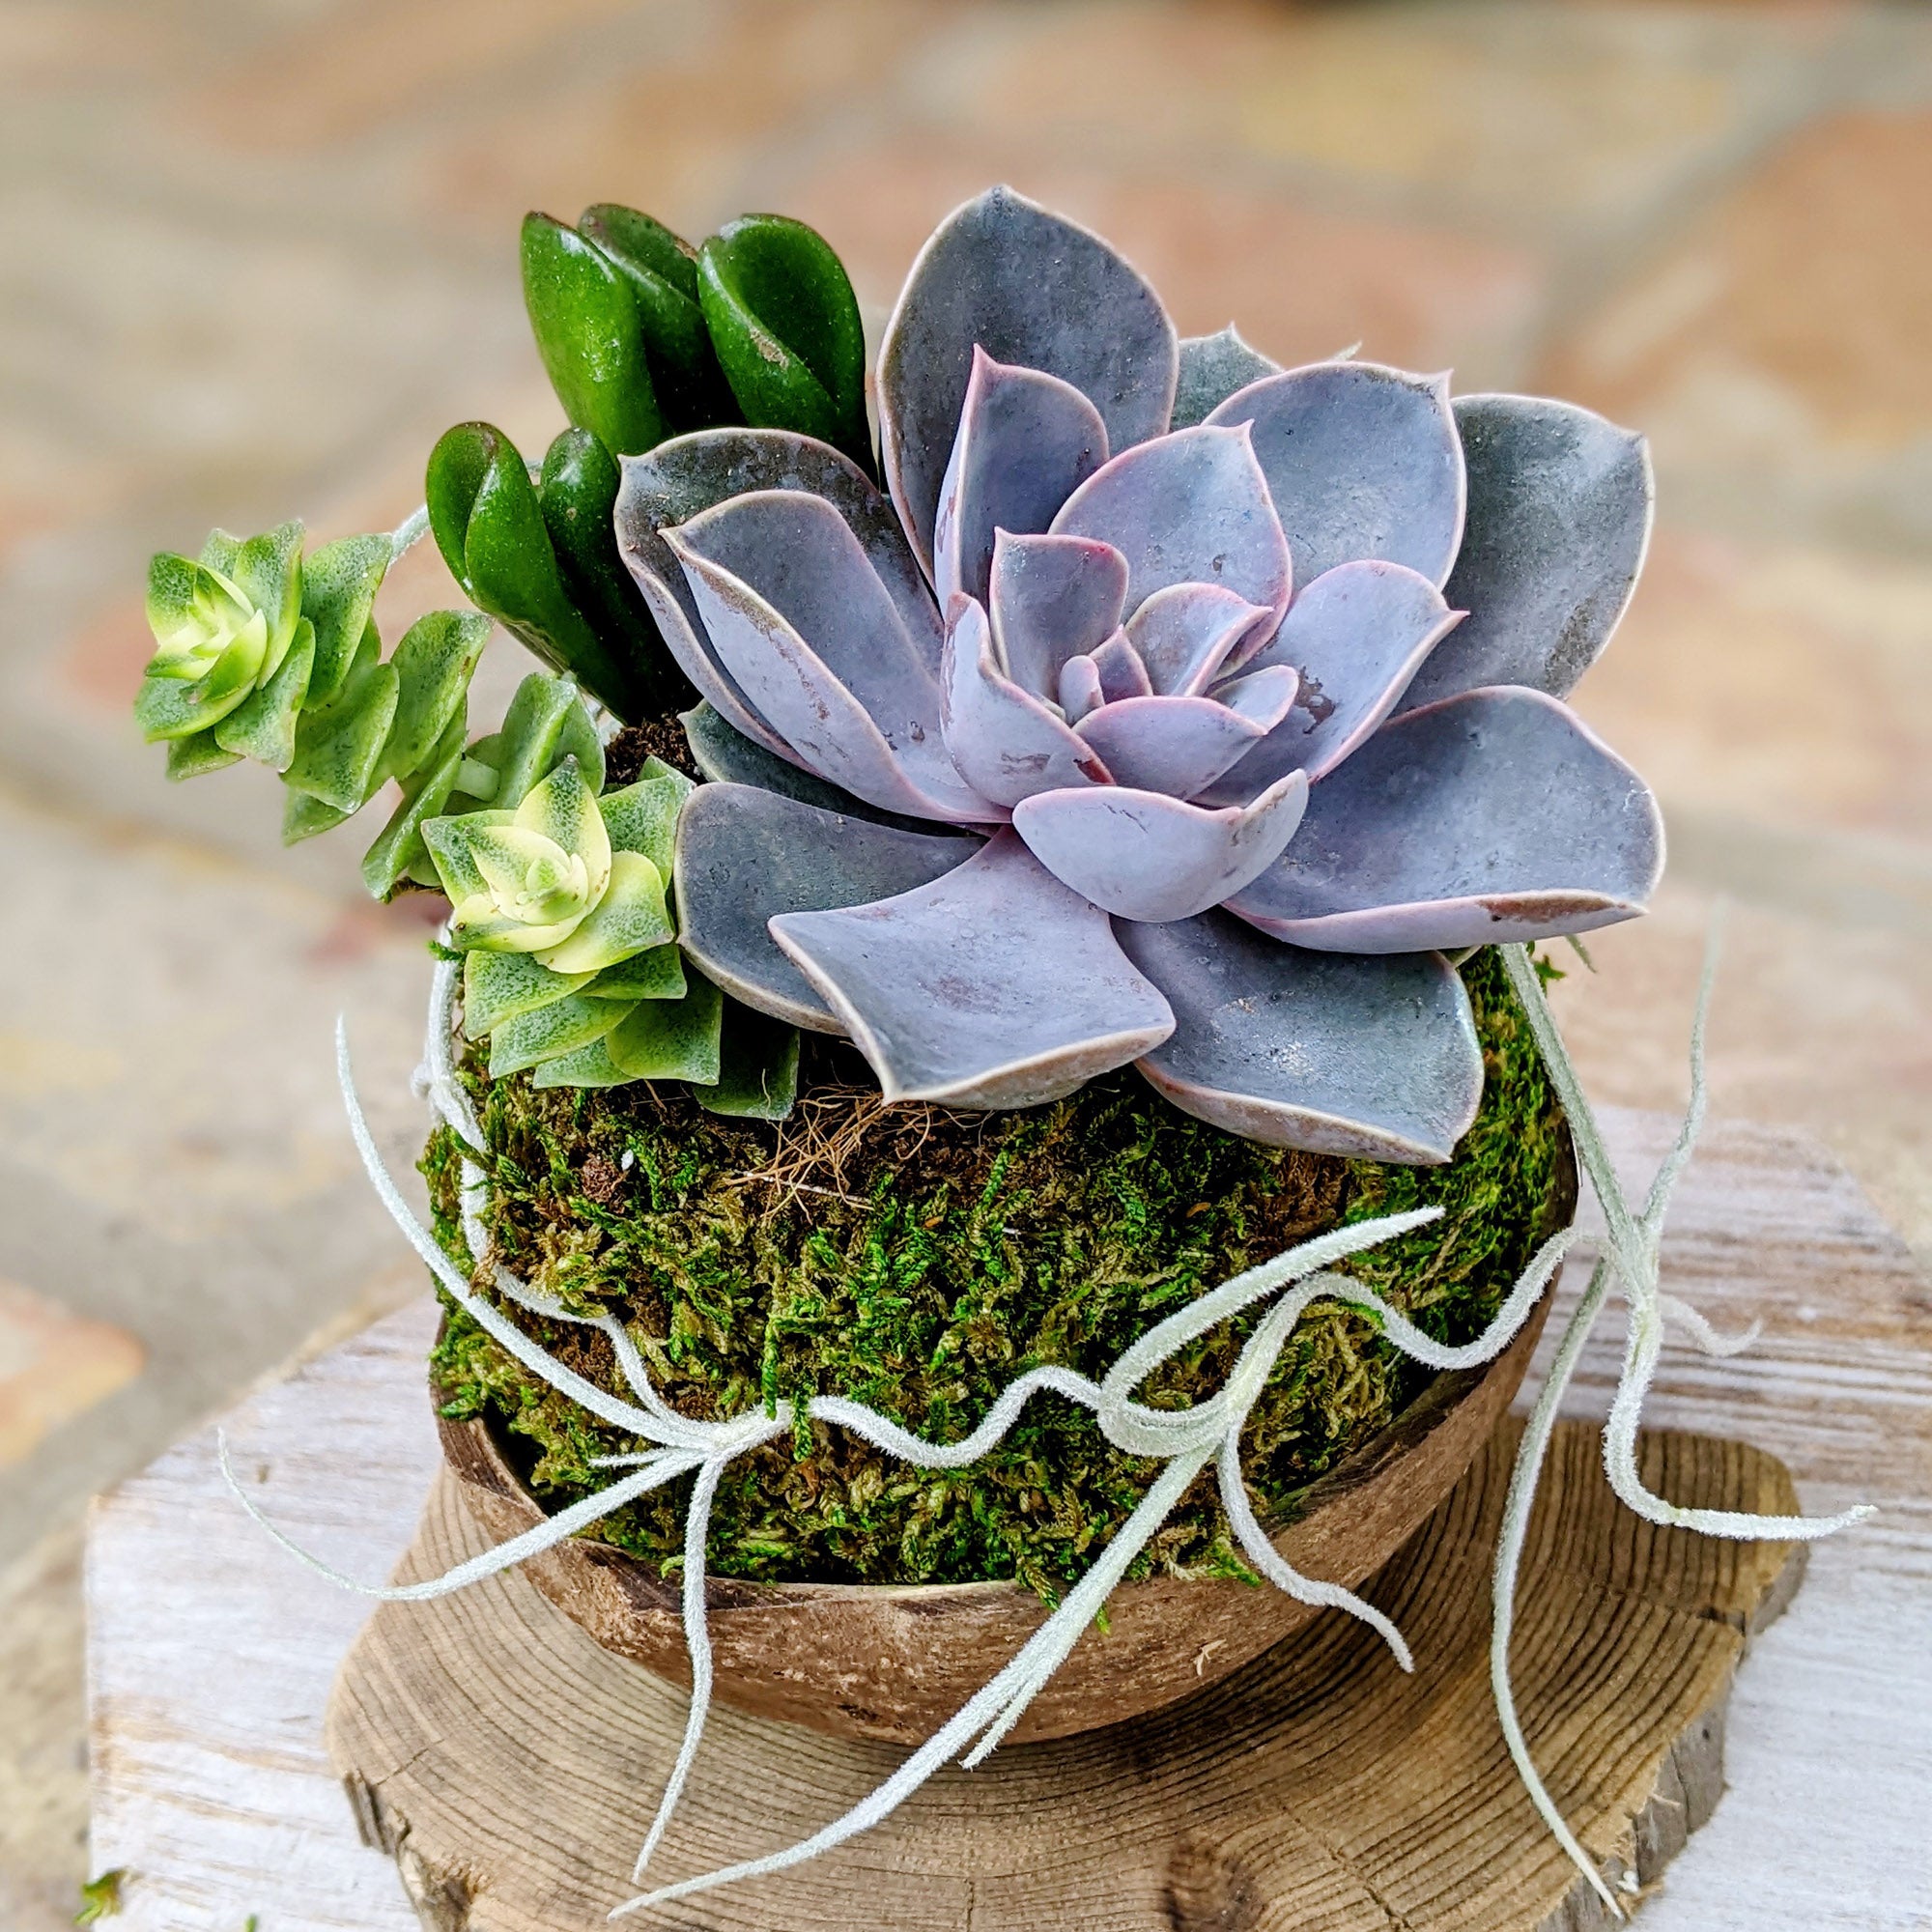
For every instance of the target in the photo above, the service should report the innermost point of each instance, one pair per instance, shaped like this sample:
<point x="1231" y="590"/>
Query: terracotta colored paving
<point x="261" y="253"/>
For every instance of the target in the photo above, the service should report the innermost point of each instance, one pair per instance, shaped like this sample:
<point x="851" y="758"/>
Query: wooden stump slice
<point x="512" y="1766"/>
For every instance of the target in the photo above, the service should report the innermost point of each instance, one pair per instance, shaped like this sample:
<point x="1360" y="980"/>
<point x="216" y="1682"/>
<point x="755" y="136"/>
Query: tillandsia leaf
<point x="757" y="1073"/>
<point x="263" y="726"/>
<point x="584" y="316"/>
<point x="577" y="495"/>
<point x="1188" y="508"/>
<point x="994" y="986"/>
<point x="434" y="660"/>
<point x="1030" y="288"/>
<point x="1495" y="815"/>
<point x="554" y="1030"/>
<point x="1362" y="461"/>
<point x="670" y="1040"/>
<point x="338" y="748"/>
<point x="662" y="270"/>
<point x="1372" y="1059"/>
<point x="1212" y="367"/>
<point x="1006" y="743"/>
<point x="1357" y="635"/>
<point x="1558" y="522"/>
<point x="1053" y="598"/>
<point x="489" y="525"/>
<point x="1145" y="856"/>
<point x="1026" y="441"/>
<point x="340" y="580"/>
<point x="502" y="986"/>
<point x="881" y="742"/>
<point x="785" y="327"/>
<point x="745" y="856"/>
<point x="724" y="753"/>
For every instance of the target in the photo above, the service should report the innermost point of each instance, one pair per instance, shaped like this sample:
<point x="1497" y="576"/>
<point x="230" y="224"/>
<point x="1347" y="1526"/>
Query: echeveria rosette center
<point x="1270" y="702"/>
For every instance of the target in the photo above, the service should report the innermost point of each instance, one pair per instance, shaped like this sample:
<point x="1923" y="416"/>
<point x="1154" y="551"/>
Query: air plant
<point x="1106" y="740"/>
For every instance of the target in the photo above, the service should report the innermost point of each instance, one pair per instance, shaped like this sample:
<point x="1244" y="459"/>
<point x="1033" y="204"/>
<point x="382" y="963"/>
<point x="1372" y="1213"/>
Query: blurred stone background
<point x="258" y="253"/>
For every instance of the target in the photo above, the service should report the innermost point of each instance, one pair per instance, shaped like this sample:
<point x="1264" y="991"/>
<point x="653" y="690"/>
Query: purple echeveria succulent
<point x="1226" y="733"/>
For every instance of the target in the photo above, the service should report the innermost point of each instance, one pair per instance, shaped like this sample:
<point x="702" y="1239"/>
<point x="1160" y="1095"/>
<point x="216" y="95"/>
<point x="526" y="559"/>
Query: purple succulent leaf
<point x="1188" y="508"/>
<point x="1120" y="671"/>
<point x="1492" y="815"/>
<point x="1264" y="697"/>
<point x="1559" y="520"/>
<point x="1003" y="274"/>
<point x="1026" y="441"/>
<point x="677" y="619"/>
<point x="1080" y="689"/>
<point x="1006" y="743"/>
<point x="1373" y="1059"/>
<point x="744" y="855"/>
<point x="894" y="761"/>
<point x="1146" y="856"/>
<point x="680" y="478"/>
<point x="993" y="986"/>
<point x="1357" y="635"/>
<point x="1212" y="367"/>
<point x="1362" y="461"/>
<point x="1053" y="598"/>
<point x="1178" y="745"/>
<point x="1186" y="633"/>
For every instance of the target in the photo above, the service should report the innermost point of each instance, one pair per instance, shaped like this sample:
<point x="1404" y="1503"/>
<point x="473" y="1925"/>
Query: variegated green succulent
<point x="570" y="962"/>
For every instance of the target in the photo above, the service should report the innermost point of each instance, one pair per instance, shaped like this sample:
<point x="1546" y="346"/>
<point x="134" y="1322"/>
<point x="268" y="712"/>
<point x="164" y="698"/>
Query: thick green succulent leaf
<point x="634" y="241"/>
<point x="758" y="1077"/>
<point x="662" y="268"/>
<point x="502" y="986"/>
<point x="559" y="1028"/>
<point x="196" y="756"/>
<point x="340" y="580"/>
<point x="263" y="726"/>
<point x="434" y="663"/>
<point x="338" y="753"/>
<point x="670" y="1040"/>
<point x="399" y="852"/>
<point x="578" y="494"/>
<point x="197" y="615"/>
<point x="267" y="571"/>
<point x="585" y="321"/>
<point x="643" y="817"/>
<point x="786" y="325"/>
<point x="563" y="808"/>
<point x="489" y="524"/>
<point x="305" y="817"/>
<point x="657" y="974"/>
<point x="220" y="551"/>
<point x="630" y="918"/>
<point x="589" y="1067"/>
<point x="546" y="723"/>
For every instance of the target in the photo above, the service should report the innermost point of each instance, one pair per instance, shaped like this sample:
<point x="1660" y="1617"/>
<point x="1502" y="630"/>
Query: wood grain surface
<point x="513" y="1765"/>
<point x="212" y="1654"/>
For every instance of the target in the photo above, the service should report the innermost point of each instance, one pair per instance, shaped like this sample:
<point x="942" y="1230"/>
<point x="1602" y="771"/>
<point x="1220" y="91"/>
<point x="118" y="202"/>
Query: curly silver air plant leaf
<point x="1225" y="734"/>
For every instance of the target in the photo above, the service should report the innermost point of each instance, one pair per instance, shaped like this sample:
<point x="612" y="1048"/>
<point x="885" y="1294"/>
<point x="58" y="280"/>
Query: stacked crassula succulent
<point x="1233" y="696"/>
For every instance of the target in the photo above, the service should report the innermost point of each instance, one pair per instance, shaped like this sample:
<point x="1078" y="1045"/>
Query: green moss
<point x="919" y="1261"/>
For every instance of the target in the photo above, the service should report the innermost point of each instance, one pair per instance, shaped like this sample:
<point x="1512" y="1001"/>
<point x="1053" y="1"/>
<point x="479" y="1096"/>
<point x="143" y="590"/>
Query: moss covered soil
<point x="919" y="1260"/>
